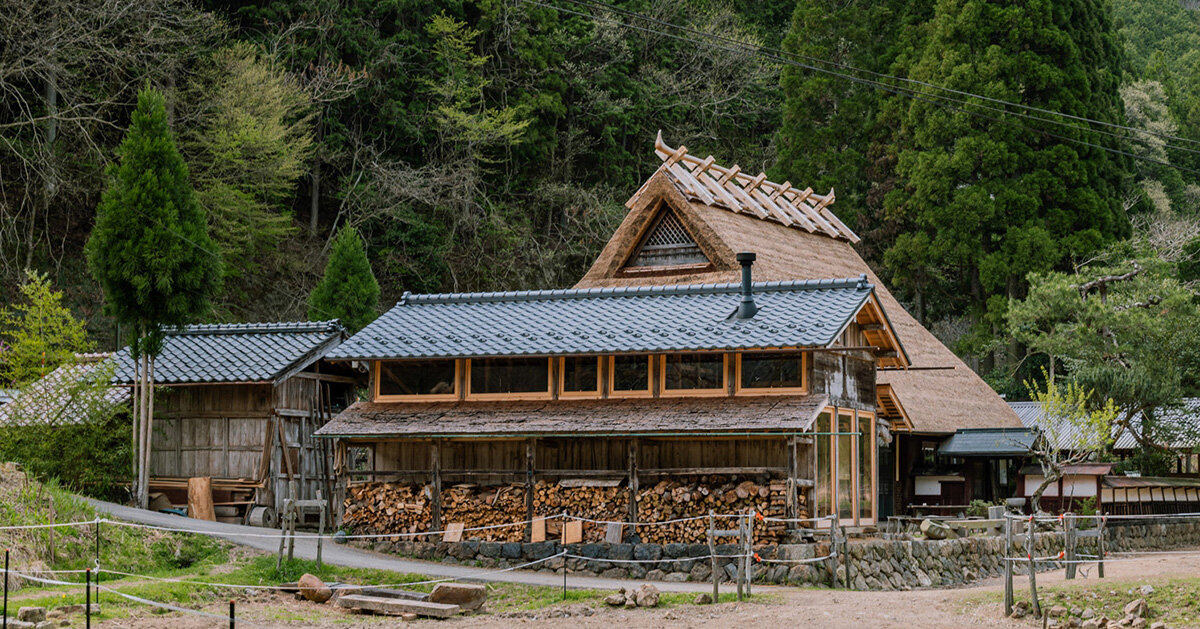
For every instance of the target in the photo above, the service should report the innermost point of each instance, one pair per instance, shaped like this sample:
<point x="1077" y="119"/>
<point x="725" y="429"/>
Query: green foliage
<point x="979" y="508"/>
<point x="249" y="146"/>
<point x="1075" y="419"/>
<point x="150" y="249"/>
<point x="68" y="429"/>
<point x="37" y="333"/>
<point x="1147" y="462"/>
<point x="348" y="291"/>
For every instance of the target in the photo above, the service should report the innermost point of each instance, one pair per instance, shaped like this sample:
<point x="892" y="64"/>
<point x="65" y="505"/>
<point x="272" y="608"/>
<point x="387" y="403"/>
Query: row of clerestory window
<point x="576" y="377"/>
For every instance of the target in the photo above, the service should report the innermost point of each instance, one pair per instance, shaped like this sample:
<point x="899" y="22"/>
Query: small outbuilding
<point x="238" y="403"/>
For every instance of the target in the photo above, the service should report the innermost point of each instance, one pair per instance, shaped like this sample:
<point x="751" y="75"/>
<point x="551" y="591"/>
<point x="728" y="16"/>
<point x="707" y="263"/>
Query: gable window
<point x="770" y="372"/>
<point x="579" y="376"/>
<point x="629" y="375"/>
<point x="416" y="380"/>
<point x="667" y="243"/>
<point x="693" y="374"/>
<point x="508" y="377"/>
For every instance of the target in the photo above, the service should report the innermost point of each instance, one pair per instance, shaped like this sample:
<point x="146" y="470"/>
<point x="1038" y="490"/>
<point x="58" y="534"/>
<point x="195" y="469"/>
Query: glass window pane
<point x="416" y="377"/>
<point x="845" y="467"/>
<point x="772" y="371"/>
<point x="824" y="481"/>
<point x="580" y="374"/>
<point x="866" y="456"/>
<point x="510" y="375"/>
<point x="631" y="373"/>
<point x="694" y="371"/>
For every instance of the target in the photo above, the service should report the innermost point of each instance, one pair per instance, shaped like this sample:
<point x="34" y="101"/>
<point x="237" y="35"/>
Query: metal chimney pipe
<point x="747" y="307"/>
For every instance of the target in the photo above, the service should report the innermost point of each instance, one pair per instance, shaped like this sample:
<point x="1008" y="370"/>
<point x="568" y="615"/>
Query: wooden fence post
<point x="831" y="562"/>
<point x="712" y="552"/>
<point x="1100" y="543"/>
<point x="435" y="510"/>
<point x="1008" y="566"/>
<point x="846" y="559"/>
<point x="1069" y="541"/>
<point x="1030" y="549"/>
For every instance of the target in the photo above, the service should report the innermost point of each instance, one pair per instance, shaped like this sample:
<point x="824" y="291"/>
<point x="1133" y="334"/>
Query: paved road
<point x="356" y="558"/>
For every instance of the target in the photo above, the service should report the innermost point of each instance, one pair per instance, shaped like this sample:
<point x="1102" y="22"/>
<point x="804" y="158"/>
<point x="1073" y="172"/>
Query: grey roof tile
<point x="989" y="442"/>
<point x="605" y="320"/>
<point x="242" y="352"/>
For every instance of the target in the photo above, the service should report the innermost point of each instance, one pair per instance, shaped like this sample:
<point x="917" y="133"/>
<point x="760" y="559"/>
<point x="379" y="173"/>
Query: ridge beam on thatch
<point x="743" y="193"/>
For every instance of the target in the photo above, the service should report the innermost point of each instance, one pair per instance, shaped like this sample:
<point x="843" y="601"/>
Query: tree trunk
<point x="149" y="428"/>
<point x="135" y="435"/>
<point x="1036" y="499"/>
<point x="314" y="194"/>
<point x="143" y="494"/>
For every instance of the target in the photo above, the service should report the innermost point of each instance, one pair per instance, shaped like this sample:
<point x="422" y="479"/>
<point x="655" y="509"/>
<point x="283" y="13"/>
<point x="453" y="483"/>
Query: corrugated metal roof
<point x="989" y="442"/>
<point x="782" y="414"/>
<point x="609" y="320"/>
<point x="59" y="399"/>
<point x="243" y="352"/>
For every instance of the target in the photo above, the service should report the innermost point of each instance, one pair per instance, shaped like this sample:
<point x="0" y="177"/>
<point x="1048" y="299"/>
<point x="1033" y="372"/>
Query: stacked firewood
<point x="475" y="506"/>
<point x="697" y="495"/>
<point x="610" y="504"/>
<point x="373" y="508"/>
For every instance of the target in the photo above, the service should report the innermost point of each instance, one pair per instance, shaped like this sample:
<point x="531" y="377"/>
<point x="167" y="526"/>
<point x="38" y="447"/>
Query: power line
<point x="759" y="51"/>
<point x="836" y="64"/>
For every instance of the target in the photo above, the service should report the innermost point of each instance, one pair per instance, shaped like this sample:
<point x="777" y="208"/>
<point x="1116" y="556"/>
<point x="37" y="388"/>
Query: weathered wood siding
<point x="212" y="430"/>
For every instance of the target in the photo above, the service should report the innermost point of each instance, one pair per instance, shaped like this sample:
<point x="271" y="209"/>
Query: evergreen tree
<point x="150" y="250"/>
<point x="348" y="291"/>
<point x="1000" y="201"/>
<point x="39" y="333"/>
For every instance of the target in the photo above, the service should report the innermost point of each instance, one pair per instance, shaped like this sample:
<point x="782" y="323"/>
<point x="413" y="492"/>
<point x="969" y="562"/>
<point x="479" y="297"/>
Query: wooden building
<point x="238" y="403"/>
<point x="722" y="210"/>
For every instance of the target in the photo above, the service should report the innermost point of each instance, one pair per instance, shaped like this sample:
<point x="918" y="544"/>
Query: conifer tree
<point x="348" y="291"/>
<point x="38" y="333"/>
<point x="150" y="251"/>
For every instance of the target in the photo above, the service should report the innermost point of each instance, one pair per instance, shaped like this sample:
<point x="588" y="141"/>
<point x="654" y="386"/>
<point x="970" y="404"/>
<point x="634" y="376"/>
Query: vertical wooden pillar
<point x="1008" y="565"/>
<point x="530" y="447"/>
<point x="435" y="464"/>
<point x="633" y="485"/>
<point x="793" y="507"/>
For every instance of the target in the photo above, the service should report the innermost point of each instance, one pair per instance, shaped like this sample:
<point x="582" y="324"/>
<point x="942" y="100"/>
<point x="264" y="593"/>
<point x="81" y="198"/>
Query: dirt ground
<point x="927" y="609"/>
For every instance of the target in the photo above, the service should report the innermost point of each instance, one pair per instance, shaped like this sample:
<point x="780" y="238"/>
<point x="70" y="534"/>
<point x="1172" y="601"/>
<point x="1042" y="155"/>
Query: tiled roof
<point x="243" y="352"/>
<point x="731" y="189"/>
<point x="1180" y="426"/>
<point x="61" y="398"/>
<point x="7" y="395"/>
<point x="989" y="442"/>
<point x="578" y="417"/>
<point x="604" y="320"/>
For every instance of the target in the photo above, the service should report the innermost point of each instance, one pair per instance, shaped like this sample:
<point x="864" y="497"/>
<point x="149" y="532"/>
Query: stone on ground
<point x="1147" y="589"/>
<point x="932" y="529"/>
<point x="469" y="596"/>
<point x="646" y="596"/>
<point x="314" y="589"/>
<point x="616" y="600"/>
<point x="31" y="614"/>
<point x="1137" y="608"/>
<point x="1056" y="611"/>
<point x="703" y="598"/>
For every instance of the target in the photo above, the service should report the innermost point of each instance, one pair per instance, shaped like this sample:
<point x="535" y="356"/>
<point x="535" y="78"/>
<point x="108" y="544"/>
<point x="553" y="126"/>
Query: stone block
<point x="31" y="614"/>
<point x="647" y="552"/>
<point x="510" y="550"/>
<point x="468" y="596"/>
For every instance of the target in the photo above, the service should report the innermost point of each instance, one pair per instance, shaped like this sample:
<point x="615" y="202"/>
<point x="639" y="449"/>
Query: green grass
<point x="1175" y="601"/>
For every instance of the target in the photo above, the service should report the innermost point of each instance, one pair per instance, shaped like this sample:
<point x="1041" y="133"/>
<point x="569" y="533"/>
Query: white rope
<point x="176" y="608"/>
<point x="668" y="560"/>
<point x="40" y="579"/>
<point x="799" y="561"/>
<point x="797" y="520"/>
<point x="56" y="525"/>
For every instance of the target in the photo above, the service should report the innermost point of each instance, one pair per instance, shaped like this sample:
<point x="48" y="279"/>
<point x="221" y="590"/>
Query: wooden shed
<point x="238" y="403"/>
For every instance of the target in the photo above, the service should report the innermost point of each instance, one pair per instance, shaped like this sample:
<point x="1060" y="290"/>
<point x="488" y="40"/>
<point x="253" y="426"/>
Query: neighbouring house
<point x="7" y="395"/>
<point x="973" y="464"/>
<point x="238" y="403"/>
<point x="64" y="396"/>
<point x="643" y="373"/>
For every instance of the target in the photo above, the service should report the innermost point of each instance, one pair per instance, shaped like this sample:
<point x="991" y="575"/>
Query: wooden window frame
<point x="859" y="416"/>
<point x="834" y="458"/>
<point x="564" y="394"/>
<point x="548" y="394"/>
<point x="747" y="391"/>
<point x="377" y="370"/>
<point x="721" y="391"/>
<point x="612" y="376"/>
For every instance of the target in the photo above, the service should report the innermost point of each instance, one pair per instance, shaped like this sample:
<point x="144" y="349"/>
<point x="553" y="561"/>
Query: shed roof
<point x="62" y="396"/>
<point x="1130" y="482"/>
<point x="242" y="352"/>
<point x="609" y="320"/>
<point x="999" y="442"/>
<point x="939" y="393"/>
<point x="638" y="416"/>
<point x="1180" y="426"/>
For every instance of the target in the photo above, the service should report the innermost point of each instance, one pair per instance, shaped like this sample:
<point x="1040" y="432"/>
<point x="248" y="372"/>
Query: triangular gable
<point x="667" y="243"/>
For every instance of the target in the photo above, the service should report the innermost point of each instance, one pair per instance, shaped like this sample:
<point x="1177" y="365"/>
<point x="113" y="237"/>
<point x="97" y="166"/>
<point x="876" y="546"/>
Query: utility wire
<point x="844" y="66"/>
<point x="759" y="51"/>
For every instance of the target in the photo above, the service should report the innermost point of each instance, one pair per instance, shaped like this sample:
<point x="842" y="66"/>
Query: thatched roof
<point x="939" y="393"/>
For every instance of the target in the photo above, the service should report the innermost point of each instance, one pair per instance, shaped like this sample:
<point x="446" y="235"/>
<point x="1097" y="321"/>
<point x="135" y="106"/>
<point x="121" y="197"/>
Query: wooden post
<point x="846" y="558"/>
<point x="1030" y="549"/>
<point x="793" y="510"/>
<point x="1100" y="550"/>
<point x="53" y="555"/>
<point x="1008" y="566"/>
<point x="529" y="451"/>
<point x="435" y="510"/>
<point x="749" y="552"/>
<point x="634" y="485"/>
<point x="1069" y="542"/>
<point x="737" y="562"/>
<point x="831" y="562"/>
<point x="712" y="552"/>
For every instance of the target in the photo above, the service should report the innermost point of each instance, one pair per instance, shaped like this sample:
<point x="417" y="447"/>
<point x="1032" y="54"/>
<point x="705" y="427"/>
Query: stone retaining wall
<point x="873" y="565"/>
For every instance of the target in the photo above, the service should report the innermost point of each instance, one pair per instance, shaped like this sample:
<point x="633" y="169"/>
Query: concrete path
<point x="355" y="558"/>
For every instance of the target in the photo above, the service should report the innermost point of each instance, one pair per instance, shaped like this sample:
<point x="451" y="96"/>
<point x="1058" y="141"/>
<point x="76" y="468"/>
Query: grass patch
<point x="1175" y="601"/>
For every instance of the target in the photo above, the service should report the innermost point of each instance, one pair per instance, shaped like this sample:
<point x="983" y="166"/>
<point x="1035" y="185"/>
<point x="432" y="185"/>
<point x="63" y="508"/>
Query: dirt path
<point x="788" y="607"/>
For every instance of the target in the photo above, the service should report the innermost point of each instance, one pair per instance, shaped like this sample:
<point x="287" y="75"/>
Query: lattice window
<point x="668" y="243"/>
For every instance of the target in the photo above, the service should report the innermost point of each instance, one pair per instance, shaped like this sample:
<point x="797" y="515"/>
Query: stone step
<point x="397" y="606"/>
<point x="408" y="595"/>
